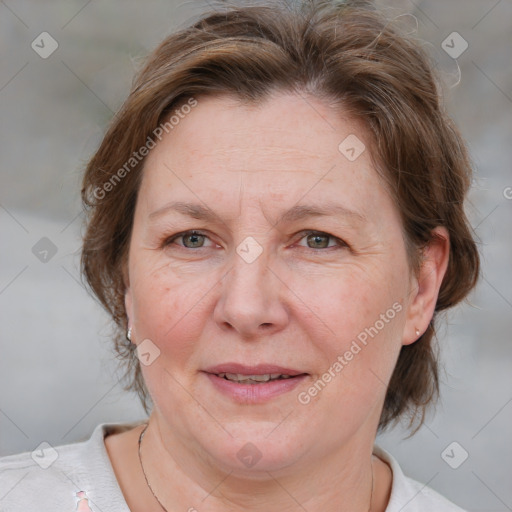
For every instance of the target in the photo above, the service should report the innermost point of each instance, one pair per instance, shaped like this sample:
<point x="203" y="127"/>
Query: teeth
<point x="251" y="379"/>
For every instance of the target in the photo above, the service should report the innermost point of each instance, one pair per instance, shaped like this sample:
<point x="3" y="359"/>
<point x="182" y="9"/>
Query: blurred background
<point x="66" y="67"/>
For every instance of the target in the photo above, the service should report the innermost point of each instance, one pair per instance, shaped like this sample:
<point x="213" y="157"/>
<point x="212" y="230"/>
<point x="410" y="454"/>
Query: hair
<point x="347" y="54"/>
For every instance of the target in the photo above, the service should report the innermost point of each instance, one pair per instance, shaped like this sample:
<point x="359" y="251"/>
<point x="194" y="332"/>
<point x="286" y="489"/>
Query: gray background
<point x="58" y="376"/>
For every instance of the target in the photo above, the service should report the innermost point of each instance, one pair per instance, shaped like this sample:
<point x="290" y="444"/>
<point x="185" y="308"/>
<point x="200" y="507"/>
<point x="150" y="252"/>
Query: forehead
<point x="283" y="149"/>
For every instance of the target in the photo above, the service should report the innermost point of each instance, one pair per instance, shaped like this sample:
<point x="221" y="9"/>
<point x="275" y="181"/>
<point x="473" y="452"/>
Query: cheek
<point x="357" y="323"/>
<point x="169" y="309"/>
<point x="352" y="298"/>
<point x="359" y="356"/>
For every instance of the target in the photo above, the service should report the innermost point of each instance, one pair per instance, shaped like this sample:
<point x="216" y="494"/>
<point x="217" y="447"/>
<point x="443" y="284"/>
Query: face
<point x="259" y="247"/>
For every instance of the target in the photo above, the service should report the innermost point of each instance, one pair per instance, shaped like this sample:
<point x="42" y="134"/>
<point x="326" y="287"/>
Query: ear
<point x="425" y="285"/>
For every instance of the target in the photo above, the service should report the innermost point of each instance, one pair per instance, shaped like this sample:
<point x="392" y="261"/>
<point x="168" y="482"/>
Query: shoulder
<point x="50" y="478"/>
<point x="408" y="495"/>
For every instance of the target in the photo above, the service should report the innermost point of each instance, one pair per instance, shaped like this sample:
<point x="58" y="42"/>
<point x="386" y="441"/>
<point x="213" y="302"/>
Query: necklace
<point x="160" y="503"/>
<point x="142" y="466"/>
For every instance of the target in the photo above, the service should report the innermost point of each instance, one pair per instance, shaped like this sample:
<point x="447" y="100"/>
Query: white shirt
<point x="26" y="485"/>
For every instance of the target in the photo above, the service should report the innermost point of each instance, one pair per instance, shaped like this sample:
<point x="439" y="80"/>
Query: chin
<point x="257" y="449"/>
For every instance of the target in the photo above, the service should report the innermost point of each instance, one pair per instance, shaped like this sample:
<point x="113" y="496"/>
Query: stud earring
<point x="417" y="332"/>
<point x="129" y="334"/>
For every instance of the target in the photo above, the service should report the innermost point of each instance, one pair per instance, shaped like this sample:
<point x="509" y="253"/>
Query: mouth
<point x="253" y="379"/>
<point x="255" y="374"/>
<point x="253" y="384"/>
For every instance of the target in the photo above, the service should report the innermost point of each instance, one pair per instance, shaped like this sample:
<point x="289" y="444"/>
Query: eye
<point x="315" y="240"/>
<point x="320" y="240"/>
<point x="190" y="239"/>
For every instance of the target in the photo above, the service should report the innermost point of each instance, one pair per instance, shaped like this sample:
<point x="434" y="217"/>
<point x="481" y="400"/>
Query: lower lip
<point x="254" y="393"/>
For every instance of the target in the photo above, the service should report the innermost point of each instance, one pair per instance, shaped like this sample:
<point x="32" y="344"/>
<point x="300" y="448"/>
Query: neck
<point x="180" y="477"/>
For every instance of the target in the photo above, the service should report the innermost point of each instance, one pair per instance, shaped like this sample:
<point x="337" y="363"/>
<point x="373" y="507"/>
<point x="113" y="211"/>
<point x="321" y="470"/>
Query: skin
<point x="300" y="304"/>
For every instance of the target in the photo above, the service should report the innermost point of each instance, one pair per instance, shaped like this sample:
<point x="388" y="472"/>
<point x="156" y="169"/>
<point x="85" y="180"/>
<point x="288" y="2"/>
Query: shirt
<point x="79" y="476"/>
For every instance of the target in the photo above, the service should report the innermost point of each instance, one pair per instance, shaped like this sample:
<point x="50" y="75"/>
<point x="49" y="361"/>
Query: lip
<point x="259" y="369"/>
<point x="253" y="393"/>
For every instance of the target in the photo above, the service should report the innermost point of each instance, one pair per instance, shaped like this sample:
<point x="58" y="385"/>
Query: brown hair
<point x="346" y="54"/>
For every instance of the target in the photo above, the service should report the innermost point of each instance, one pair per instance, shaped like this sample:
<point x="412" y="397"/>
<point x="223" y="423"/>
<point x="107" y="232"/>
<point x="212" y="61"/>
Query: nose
<point x="251" y="300"/>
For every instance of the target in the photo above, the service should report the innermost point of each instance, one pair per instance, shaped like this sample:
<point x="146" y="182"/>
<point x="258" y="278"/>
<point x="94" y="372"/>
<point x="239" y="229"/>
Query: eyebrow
<point x="296" y="213"/>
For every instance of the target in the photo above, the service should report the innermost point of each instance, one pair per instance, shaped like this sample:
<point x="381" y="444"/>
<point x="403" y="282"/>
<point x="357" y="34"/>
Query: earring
<point x="129" y="334"/>
<point x="417" y="332"/>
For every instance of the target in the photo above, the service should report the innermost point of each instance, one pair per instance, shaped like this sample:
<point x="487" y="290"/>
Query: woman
<point x="275" y="218"/>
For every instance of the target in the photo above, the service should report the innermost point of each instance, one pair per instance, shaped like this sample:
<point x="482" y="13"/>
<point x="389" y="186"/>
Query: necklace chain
<point x="160" y="503"/>
<point x="142" y="466"/>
